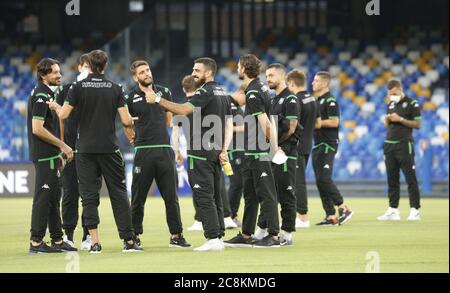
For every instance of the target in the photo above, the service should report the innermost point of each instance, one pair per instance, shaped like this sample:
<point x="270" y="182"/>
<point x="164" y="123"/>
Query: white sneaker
<point x="300" y="224"/>
<point x="390" y="215"/>
<point x="71" y="243"/>
<point x="197" y="226"/>
<point x="229" y="223"/>
<point x="259" y="234"/>
<point x="286" y="238"/>
<point x="86" y="244"/>
<point x="211" y="245"/>
<point x="414" y="215"/>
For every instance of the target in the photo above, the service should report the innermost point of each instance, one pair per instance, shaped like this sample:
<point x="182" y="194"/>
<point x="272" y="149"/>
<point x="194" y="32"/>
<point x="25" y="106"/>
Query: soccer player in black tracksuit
<point x="46" y="153"/>
<point x="98" y="100"/>
<point x="259" y="183"/>
<point x="326" y="144"/>
<point x="236" y="156"/>
<point x="286" y="107"/>
<point x="309" y="120"/>
<point x="69" y="178"/>
<point x="403" y="115"/>
<point x="205" y="172"/>
<point x="154" y="157"/>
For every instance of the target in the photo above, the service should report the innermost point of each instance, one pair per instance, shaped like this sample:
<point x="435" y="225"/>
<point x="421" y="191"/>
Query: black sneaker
<point x="179" y="241"/>
<point x="239" y="241"/>
<point x="43" y="248"/>
<point x="138" y="242"/>
<point x="64" y="247"/>
<point x="96" y="248"/>
<point x="344" y="215"/>
<point x="267" y="242"/>
<point x="131" y="247"/>
<point x="328" y="222"/>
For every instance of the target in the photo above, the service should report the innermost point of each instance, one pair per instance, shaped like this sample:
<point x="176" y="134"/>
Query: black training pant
<point x="323" y="160"/>
<point x="205" y="178"/>
<point x="158" y="164"/>
<point x="90" y="168"/>
<point x="400" y="156"/>
<point x="71" y="195"/>
<point x="300" y="190"/>
<point x="259" y="187"/>
<point x="47" y="195"/>
<point x="236" y="182"/>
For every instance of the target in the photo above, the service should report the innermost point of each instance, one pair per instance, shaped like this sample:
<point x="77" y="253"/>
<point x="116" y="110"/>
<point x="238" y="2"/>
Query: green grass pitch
<point x="399" y="246"/>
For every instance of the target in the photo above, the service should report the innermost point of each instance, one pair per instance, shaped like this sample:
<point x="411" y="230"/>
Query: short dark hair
<point x="136" y="64"/>
<point x="209" y="63"/>
<point x="188" y="84"/>
<point x="44" y="67"/>
<point x="98" y="60"/>
<point x="277" y="66"/>
<point x="298" y="77"/>
<point x="324" y="75"/>
<point x="394" y="83"/>
<point x="251" y="65"/>
<point x="84" y="59"/>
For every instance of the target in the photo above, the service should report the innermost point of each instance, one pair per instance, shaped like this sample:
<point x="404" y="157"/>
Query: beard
<point x="54" y="82"/>
<point x="273" y="85"/>
<point x="145" y="83"/>
<point x="199" y="81"/>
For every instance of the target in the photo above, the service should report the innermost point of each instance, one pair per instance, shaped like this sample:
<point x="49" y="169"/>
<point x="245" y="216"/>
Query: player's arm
<point x="292" y="126"/>
<point x="318" y="123"/>
<point x="292" y="110"/>
<point x="169" y="116"/>
<point x="176" y="144"/>
<point x="240" y="128"/>
<point x="333" y="118"/>
<point x="416" y="123"/>
<point x="40" y="131"/>
<point x="269" y="129"/>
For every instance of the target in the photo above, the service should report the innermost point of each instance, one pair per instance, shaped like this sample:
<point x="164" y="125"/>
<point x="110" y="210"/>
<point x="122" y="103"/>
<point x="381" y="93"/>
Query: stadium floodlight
<point x="136" y="5"/>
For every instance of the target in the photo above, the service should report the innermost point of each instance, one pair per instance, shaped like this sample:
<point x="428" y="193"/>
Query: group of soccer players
<point x="267" y="140"/>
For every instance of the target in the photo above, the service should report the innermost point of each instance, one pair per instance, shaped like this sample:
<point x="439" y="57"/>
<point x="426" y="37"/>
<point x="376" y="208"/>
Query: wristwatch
<point x="158" y="99"/>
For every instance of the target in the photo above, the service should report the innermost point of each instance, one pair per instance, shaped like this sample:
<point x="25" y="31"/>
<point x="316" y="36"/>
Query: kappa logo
<point x="326" y="166"/>
<point x="263" y="174"/>
<point x="45" y="186"/>
<point x="414" y="167"/>
<point x="293" y="101"/>
<point x="137" y="170"/>
<point x="289" y="188"/>
<point x="40" y="100"/>
<point x="332" y="104"/>
<point x="252" y="97"/>
<point x="404" y="105"/>
<point x="416" y="106"/>
<point x="196" y="186"/>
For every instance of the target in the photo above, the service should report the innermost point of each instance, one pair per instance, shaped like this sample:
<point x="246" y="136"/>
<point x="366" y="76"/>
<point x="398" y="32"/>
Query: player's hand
<point x="179" y="158"/>
<point x="52" y="105"/>
<point x="223" y="157"/>
<point x="132" y="140"/>
<point x="67" y="150"/>
<point x="150" y="95"/>
<point x="62" y="165"/>
<point x="394" y="117"/>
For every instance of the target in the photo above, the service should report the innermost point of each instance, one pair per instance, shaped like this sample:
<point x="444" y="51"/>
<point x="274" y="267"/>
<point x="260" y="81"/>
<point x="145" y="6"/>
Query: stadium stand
<point x="360" y="69"/>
